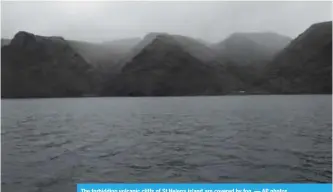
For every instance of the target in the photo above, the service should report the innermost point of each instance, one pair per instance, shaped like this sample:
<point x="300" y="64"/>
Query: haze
<point x="209" y="21"/>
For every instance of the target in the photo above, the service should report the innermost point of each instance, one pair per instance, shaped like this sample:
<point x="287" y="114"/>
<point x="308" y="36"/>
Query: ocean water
<point x="52" y="144"/>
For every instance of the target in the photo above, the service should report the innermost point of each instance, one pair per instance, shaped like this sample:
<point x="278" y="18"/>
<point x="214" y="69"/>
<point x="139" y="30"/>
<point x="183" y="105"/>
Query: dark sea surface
<point x="52" y="144"/>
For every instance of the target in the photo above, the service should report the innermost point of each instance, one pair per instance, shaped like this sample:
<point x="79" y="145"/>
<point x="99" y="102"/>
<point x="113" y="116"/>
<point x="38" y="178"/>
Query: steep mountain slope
<point x="164" y="68"/>
<point x="194" y="47"/>
<point x="305" y="66"/>
<point x="138" y="48"/>
<point x="251" y="48"/>
<point x="36" y="66"/>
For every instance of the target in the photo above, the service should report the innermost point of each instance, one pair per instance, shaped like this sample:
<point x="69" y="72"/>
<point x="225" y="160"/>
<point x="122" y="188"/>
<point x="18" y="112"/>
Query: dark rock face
<point x="165" y="68"/>
<point x="36" y="66"/>
<point x="305" y="65"/>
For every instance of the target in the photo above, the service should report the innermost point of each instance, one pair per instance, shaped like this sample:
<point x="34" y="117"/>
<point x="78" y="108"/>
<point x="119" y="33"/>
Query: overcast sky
<point x="210" y="21"/>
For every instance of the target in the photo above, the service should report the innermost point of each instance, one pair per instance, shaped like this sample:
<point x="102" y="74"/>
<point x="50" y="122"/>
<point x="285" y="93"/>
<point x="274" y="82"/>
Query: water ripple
<point x="51" y="144"/>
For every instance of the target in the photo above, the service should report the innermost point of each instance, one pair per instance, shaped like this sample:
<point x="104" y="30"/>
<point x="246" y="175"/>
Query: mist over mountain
<point x="106" y="53"/>
<point x="251" y="48"/>
<point x="162" y="64"/>
<point x="123" y="44"/>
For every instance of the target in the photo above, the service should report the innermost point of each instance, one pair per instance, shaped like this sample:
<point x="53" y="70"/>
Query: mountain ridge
<point x="162" y="64"/>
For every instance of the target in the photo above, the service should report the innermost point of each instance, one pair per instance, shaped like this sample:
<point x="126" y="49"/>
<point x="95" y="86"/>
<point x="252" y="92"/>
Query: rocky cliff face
<point x="36" y="66"/>
<point x="305" y="65"/>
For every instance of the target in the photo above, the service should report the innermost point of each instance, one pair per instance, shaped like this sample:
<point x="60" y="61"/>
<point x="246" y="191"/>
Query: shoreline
<point x="275" y="94"/>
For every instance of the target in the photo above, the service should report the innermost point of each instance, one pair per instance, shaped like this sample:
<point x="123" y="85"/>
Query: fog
<point x="209" y="21"/>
